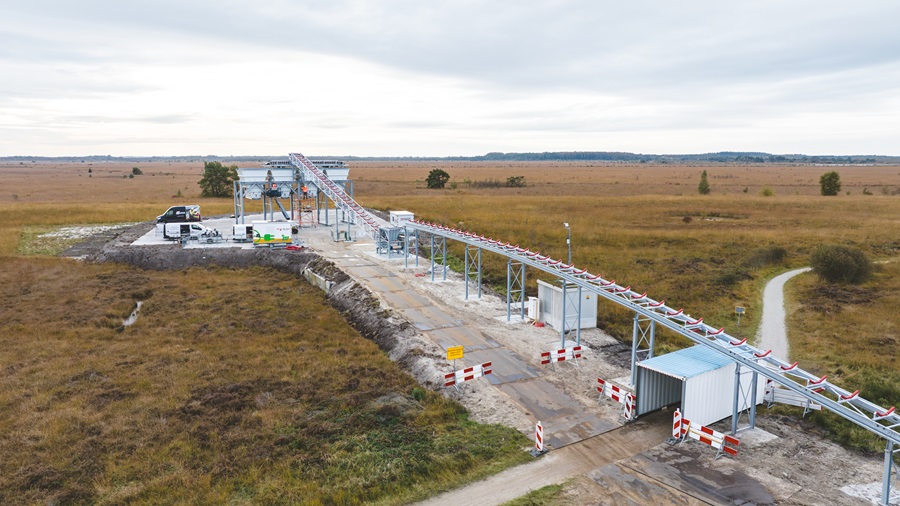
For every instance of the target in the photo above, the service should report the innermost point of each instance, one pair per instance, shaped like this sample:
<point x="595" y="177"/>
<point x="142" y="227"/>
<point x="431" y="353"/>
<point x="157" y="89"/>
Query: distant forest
<point x="559" y="156"/>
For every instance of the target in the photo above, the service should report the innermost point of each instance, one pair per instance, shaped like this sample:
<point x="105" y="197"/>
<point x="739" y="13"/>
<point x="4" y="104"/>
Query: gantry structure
<point x="648" y="314"/>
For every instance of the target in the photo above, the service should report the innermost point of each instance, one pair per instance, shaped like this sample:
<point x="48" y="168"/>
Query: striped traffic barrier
<point x="627" y="399"/>
<point x="677" y="426"/>
<point x="572" y="353"/>
<point x="468" y="374"/>
<point x="612" y="391"/>
<point x="713" y="438"/>
<point x="538" y="440"/>
<point x="630" y="408"/>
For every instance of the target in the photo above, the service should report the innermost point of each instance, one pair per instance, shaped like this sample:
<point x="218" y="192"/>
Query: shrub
<point x="840" y="264"/>
<point x="767" y="192"/>
<point x="436" y="179"/>
<point x="830" y="183"/>
<point x="515" y="181"/>
<point x="136" y="171"/>
<point x="769" y="255"/>
<point x="703" y="187"/>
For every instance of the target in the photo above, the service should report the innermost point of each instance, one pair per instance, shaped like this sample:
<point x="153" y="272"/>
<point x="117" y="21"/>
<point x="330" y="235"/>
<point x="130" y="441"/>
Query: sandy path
<point x="772" y="333"/>
<point x="557" y="466"/>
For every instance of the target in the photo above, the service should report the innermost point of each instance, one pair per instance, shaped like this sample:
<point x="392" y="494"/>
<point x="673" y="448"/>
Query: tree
<point x="217" y="180"/>
<point x="136" y="171"/>
<point x="840" y="264"/>
<point x="703" y="187"/>
<point x="830" y="183"/>
<point x="515" y="182"/>
<point x="437" y="178"/>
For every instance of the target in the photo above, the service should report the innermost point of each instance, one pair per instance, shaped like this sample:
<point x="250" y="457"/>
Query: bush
<point x="769" y="255"/>
<point x="830" y="183"/>
<point x="436" y="179"/>
<point x="767" y="192"/>
<point x="136" y="171"/>
<point x="840" y="264"/>
<point x="703" y="187"/>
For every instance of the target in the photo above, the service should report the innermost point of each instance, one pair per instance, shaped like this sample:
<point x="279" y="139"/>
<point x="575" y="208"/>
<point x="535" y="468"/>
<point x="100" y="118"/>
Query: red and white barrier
<point x="676" y="425"/>
<point x="612" y="391"/>
<point x="721" y="442"/>
<point x="467" y="374"/>
<point x="628" y="400"/>
<point x="630" y="406"/>
<point x="539" y="438"/>
<point x="572" y="353"/>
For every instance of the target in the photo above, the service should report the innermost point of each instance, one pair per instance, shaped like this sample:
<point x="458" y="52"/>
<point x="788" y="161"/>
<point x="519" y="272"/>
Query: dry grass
<point x="852" y="334"/>
<point x="232" y="387"/>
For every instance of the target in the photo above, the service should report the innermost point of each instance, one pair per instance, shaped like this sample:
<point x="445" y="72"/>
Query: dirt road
<point x="772" y="333"/>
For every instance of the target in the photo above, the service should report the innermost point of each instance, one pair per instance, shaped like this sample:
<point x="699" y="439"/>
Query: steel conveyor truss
<point x="850" y="405"/>
<point x="336" y="193"/>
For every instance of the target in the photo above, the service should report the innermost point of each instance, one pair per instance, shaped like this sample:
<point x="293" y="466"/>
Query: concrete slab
<point x="621" y="485"/>
<point x="429" y="318"/>
<point x="470" y="338"/>
<point x="405" y="299"/>
<point x="507" y="366"/>
<point x="564" y="420"/>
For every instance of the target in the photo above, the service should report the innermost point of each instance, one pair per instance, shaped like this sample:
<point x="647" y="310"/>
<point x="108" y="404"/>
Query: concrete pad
<point x="506" y="365"/>
<point x="622" y="485"/>
<point x="429" y="318"/>
<point x="467" y="337"/>
<point x="405" y="299"/>
<point x="564" y="420"/>
<point x="690" y="475"/>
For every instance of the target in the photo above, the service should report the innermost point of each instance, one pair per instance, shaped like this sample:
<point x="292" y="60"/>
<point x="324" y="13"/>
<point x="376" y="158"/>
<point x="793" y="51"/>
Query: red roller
<point x="885" y="414"/>
<point x="850" y="396"/>
<point x="717" y="332"/>
<point x="657" y="304"/>
<point x="641" y="296"/>
<point x="762" y="355"/>
<point x="736" y="343"/>
<point x="818" y="381"/>
<point x="790" y="367"/>
<point x="623" y="290"/>
<point x="674" y="313"/>
<point x="696" y="322"/>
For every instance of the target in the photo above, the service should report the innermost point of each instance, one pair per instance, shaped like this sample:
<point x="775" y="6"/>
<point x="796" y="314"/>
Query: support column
<point x="578" y="323"/>
<point x="634" y="346"/>
<point x="473" y="267"/>
<point x="888" y="474"/>
<point x="515" y="287"/>
<point x="562" y="324"/>
<point x="432" y="257"/>
<point x="753" y="391"/>
<point x="737" y="394"/>
<point x="653" y="339"/>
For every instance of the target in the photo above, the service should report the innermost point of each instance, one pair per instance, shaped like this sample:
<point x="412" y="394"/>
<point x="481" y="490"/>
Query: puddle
<point x="133" y="316"/>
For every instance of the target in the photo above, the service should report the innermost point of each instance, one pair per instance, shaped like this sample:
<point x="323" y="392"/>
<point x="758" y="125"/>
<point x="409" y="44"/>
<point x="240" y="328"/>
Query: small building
<point x="398" y="218"/>
<point x="550" y="306"/>
<point x="698" y="378"/>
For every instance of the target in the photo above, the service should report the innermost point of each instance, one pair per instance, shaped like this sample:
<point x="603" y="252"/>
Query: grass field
<point x="275" y="400"/>
<point x="198" y="405"/>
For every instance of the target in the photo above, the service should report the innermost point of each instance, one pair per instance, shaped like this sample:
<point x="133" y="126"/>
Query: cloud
<point x="464" y="73"/>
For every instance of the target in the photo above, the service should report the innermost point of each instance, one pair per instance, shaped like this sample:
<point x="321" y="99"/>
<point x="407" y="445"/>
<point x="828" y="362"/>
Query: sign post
<point x="739" y="310"/>
<point x="453" y="353"/>
<point x="538" y="440"/>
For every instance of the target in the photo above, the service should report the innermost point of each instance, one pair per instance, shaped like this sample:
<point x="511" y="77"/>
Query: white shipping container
<point x="550" y="300"/>
<point x="701" y="379"/>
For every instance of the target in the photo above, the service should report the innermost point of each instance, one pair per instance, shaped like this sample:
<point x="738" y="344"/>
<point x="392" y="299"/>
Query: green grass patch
<point x="232" y="386"/>
<point x="544" y="496"/>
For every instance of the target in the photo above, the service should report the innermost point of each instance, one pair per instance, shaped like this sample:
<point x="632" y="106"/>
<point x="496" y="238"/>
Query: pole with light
<point x="569" y="241"/>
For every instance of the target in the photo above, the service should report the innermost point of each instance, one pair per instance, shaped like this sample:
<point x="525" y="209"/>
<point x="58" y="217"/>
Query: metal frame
<point x="473" y="267"/>
<point x="641" y="335"/>
<point x="515" y="287"/>
<point x="442" y="245"/>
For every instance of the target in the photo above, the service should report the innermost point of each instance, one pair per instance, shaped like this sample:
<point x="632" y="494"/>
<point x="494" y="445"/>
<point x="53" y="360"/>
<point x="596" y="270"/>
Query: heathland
<point x="110" y="416"/>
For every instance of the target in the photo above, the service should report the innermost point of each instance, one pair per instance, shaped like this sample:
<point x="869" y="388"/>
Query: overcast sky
<point x="443" y="78"/>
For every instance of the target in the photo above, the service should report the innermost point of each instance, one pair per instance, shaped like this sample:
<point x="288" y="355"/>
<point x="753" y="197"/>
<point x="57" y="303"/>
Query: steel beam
<point x="515" y="287"/>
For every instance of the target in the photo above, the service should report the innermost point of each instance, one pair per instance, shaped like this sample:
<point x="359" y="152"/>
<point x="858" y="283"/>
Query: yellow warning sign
<point x="454" y="353"/>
